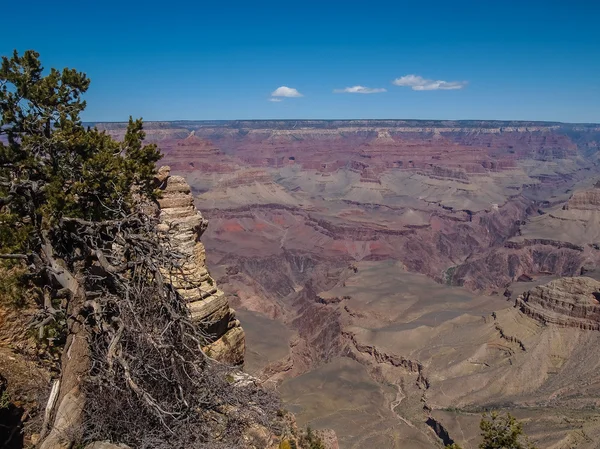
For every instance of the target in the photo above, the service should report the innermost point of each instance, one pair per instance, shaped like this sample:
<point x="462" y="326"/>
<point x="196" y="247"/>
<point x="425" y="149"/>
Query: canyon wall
<point x="564" y="239"/>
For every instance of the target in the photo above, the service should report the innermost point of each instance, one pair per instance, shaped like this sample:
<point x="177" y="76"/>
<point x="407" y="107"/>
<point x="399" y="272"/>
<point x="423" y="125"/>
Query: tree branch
<point x="104" y="263"/>
<point x="14" y="256"/>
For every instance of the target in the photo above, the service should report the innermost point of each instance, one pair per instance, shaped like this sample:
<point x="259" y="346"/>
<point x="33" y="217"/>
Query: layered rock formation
<point x="569" y="302"/>
<point x="585" y="200"/>
<point x="563" y="239"/>
<point x="477" y="148"/>
<point x="184" y="225"/>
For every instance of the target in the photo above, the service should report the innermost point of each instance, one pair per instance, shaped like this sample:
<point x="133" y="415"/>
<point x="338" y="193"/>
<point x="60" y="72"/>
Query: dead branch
<point x="133" y="363"/>
<point x="14" y="256"/>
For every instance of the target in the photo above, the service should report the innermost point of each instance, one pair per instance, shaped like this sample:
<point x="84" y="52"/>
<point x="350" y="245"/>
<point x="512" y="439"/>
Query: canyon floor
<point x="424" y="356"/>
<point x="391" y="276"/>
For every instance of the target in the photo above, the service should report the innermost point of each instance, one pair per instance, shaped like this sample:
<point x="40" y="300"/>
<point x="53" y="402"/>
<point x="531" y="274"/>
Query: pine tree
<point x="503" y="432"/>
<point x="51" y="166"/>
<point x="74" y="207"/>
<point x="500" y="432"/>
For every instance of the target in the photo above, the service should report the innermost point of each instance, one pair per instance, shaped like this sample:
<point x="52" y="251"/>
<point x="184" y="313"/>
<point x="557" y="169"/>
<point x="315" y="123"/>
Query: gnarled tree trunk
<point x="65" y="412"/>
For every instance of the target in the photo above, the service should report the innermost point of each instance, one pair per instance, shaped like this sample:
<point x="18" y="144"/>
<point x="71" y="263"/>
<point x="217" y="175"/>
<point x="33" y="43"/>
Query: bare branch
<point x="14" y="256"/>
<point x="107" y="266"/>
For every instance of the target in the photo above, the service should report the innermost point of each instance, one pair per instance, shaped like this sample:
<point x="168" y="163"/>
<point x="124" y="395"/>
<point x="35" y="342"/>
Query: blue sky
<point x="485" y="59"/>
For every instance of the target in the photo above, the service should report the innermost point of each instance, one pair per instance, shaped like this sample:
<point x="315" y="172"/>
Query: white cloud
<point x="359" y="90"/>
<point x="416" y="82"/>
<point x="285" y="91"/>
<point x="275" y="99"/>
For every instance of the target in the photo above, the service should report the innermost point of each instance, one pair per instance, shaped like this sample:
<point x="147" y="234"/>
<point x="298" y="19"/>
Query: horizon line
<point x="544" y="122"/>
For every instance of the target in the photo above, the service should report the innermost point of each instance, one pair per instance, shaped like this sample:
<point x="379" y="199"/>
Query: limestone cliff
<point x="183" y="224"/>
<point x="569" y="302"/>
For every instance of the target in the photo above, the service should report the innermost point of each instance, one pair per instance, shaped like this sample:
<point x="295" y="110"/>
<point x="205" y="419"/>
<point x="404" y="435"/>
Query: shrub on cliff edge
<point x="501" y="432"/>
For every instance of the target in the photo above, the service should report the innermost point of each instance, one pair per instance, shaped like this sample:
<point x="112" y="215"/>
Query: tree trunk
<point x="66" y="414"/>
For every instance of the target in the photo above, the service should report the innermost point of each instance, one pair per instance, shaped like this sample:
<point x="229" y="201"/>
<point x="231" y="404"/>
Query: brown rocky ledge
<point x="585" y="200"/>
<point x="568" y="302"/>
<point x="184" y="225"/>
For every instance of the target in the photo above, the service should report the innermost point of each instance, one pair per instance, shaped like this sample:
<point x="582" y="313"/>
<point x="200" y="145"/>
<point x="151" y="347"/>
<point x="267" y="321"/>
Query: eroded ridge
<point x="568" y="302"/>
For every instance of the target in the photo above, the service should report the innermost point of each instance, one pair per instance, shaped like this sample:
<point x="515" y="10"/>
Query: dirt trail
<point x="396" y="402"/>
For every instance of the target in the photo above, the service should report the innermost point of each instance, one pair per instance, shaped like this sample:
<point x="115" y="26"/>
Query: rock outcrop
<point x="184" y="225"/>
<point x="568" y="302"/>
<point x="585" y="200"/>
